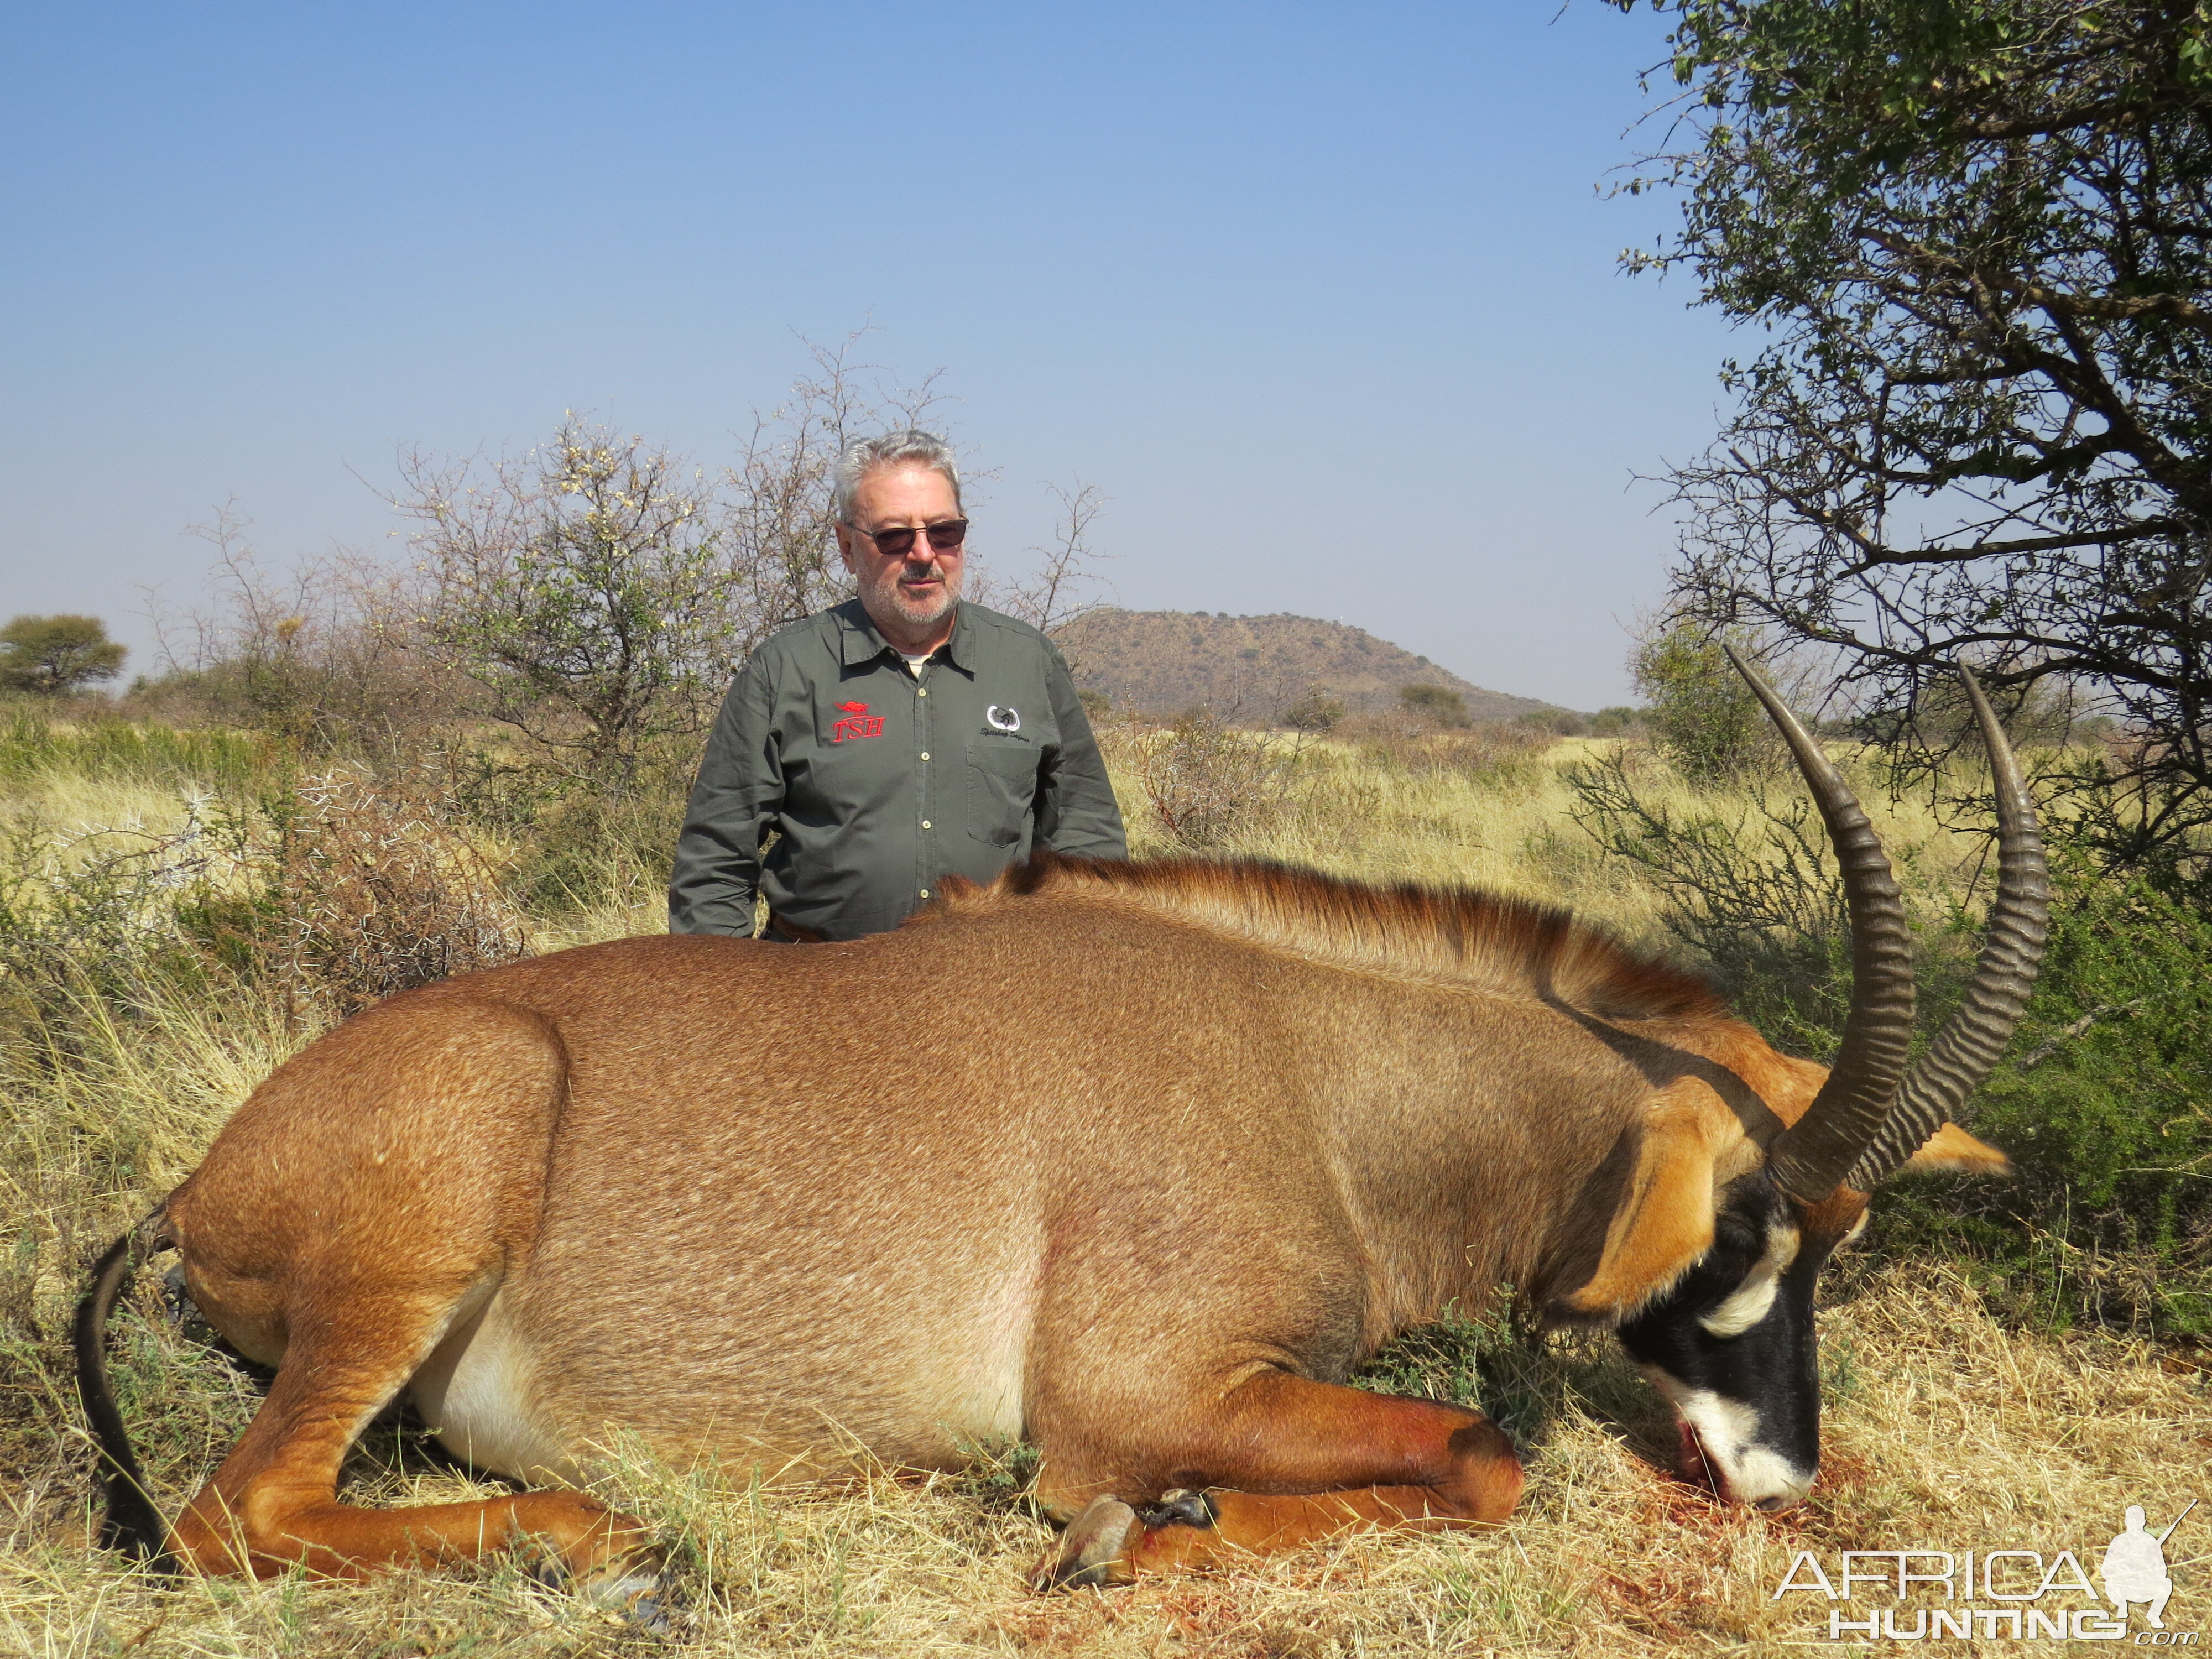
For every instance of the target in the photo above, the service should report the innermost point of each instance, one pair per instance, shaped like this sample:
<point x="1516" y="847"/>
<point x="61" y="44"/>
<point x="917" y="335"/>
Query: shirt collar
<point x="858" y="641"/>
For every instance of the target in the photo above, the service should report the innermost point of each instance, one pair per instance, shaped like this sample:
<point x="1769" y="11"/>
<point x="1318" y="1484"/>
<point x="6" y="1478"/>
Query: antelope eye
<point x="1739" y="1241"/>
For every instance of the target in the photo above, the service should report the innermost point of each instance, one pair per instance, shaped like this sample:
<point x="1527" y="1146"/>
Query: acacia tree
<point x="1974" y="232"/>
<point x="54" y="656"/>
<point x="580" y="587"/>
<point x="600" y="593"/>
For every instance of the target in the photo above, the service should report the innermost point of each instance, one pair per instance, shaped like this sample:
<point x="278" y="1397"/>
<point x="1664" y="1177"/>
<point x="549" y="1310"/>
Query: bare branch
<point x="1062" y="588"/>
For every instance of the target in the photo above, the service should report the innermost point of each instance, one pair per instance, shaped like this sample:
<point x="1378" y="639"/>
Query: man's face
<point x="919" y="588"/>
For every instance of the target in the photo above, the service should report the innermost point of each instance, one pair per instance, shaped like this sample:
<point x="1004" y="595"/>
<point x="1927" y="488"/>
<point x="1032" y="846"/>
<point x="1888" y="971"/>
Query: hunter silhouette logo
<point x="858" y="723"/>
<point x="2134" y="1566"/>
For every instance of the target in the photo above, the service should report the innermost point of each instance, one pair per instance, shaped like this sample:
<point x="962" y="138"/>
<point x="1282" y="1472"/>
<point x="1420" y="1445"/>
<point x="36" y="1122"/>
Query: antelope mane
<point x="1484" y="940"/>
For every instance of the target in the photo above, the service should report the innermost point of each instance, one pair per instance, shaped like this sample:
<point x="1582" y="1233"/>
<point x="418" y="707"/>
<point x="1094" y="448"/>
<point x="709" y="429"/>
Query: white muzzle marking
<point x="1728" y="1434"/>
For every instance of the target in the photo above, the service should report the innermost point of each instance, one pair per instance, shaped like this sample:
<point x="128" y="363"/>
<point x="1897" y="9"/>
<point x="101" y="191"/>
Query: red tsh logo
<point x="858" y="723"/>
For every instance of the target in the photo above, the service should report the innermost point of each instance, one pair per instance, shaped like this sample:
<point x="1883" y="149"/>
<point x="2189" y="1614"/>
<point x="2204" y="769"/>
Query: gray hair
<point x="912" y="447"/>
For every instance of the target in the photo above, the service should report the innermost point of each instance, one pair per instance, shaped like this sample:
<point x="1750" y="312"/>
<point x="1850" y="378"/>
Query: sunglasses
<point x="899" y="543"/>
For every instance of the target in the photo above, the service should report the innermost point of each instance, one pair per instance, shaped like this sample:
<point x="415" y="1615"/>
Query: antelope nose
<point x="1779" y="1502"/>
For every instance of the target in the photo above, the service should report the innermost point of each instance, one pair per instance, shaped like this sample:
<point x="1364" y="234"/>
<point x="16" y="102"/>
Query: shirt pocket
<point x="1001" y="783"/>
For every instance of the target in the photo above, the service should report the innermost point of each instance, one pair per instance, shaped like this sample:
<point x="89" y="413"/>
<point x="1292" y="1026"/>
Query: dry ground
<point x="1945" y="1430"/>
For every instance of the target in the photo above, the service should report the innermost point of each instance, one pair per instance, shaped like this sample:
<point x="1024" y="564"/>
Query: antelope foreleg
<point x="1282" y="1462"/>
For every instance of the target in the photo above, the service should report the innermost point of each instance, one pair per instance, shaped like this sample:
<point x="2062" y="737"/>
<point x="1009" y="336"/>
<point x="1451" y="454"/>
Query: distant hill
<point x="1252" y="668"/>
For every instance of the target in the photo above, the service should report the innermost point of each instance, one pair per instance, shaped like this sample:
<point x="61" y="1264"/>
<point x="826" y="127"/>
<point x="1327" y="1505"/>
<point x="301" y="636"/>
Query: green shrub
<point x="1702" y="714"/>
<point x="331" y="893"/>
<point x="1616" y="721"/>
<point x="583" y="842"/>
<point x="573" y="838"/>
<point x="1559" y="722"/>
<point x="87" y="919"/>
<point x="1437" y="702"/>
<point x="1770" y="930"/>
<point x="1208" y="783"/>
<point x="1316" y="711"/>
<point x="2099" y="1101"/>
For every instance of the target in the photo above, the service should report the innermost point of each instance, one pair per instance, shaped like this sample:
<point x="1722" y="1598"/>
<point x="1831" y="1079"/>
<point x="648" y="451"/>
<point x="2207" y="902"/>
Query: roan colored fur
<point x="1135" y="1161"/>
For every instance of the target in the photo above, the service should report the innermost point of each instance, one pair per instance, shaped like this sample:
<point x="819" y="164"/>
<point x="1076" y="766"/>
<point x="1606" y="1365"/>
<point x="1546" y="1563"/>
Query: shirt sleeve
<point x="737" y="795"/>
<point x="1076" y="812"/>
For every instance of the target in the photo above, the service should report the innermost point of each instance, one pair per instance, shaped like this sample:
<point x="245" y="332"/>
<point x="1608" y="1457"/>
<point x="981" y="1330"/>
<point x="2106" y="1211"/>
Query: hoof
<point x="1182" y="1508"/>
<point x="643" y="1595"/>
<point x="637" y="1584"/>
<point x="1089" y="1550"/>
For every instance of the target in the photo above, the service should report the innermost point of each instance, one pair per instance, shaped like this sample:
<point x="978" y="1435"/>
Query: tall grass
<point x="1498" y="810"/>
<point x="34" y="749"/>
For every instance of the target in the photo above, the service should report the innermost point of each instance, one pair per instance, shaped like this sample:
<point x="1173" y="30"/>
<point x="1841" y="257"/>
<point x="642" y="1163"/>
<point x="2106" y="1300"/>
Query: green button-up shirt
<point x="881" y="783"/>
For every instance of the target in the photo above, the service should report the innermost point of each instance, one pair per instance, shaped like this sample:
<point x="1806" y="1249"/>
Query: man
<point x="890" y="741"/>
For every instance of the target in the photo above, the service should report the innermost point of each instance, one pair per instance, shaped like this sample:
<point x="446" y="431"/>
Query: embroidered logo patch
<point x="858" y="723"/>
<point x="1003" y="720"/>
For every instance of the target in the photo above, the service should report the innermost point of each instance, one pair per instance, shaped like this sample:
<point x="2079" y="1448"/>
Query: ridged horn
<point x="1808" y="1158"/>
<point x="1956" y="1064"/>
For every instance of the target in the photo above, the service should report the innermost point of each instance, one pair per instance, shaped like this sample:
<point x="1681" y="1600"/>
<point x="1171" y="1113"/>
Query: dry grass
<point x="79" y="804"/>
<point x="631" y="900"/>
<point x="1946" y="1429"/>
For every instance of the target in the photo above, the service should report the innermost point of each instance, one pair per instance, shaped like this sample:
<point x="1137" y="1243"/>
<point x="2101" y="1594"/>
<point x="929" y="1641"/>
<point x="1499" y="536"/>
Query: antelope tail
<point x="131" y="1521"/>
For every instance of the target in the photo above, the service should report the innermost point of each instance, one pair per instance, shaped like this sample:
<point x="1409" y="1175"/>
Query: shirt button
<point x="925" y="823"/>
<point x="923" y="692"/>
<point x="925" y="753"/>
<point x="924" y="892"/>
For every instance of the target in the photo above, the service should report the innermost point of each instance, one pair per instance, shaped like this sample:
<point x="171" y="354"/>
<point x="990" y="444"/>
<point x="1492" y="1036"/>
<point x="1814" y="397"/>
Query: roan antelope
<point x="1137" y="1162"/>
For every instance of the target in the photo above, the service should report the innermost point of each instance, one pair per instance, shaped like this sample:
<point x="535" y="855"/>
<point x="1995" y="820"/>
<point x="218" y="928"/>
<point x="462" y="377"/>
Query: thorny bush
<point x="88" y="913"/>
<point x="355" y="888"/>
<point x="1209" y="782"/>
<point x="337" y="892"/>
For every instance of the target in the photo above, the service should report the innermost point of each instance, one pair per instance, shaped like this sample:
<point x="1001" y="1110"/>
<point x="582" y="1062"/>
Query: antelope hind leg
<point x="1285" y="1462"/>
<point x="371" y="1194"/>
<point x="274" y="1501"/>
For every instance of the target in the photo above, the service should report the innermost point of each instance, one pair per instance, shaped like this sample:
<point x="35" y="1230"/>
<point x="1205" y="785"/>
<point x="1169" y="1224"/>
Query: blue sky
<point x="1324" y="299"/>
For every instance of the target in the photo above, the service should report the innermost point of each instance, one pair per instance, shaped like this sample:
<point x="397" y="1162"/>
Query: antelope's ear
<point x="1951" y="1149"/>
<point x="1664" y="1220"/>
